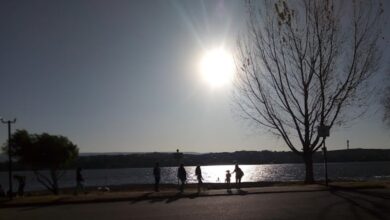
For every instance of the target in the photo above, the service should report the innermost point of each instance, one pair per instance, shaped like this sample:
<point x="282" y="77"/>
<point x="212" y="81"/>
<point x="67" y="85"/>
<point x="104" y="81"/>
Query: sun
<point x="217" y="67"/>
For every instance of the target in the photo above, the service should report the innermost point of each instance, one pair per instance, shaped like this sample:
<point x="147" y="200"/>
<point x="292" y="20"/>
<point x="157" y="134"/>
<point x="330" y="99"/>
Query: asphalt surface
<point x="334" y="204"/>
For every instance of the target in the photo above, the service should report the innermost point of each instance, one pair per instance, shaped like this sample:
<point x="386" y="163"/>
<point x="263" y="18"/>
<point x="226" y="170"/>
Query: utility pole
<point x="347" y="144"/>
<point x="9" y="122"/>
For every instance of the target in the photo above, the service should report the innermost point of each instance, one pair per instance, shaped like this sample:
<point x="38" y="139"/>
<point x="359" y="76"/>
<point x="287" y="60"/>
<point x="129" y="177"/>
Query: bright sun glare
<point x="217" y="67"/>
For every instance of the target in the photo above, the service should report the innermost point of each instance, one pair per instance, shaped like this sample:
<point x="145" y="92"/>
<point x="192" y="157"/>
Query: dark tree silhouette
<point x="44" y="152"/>
<point x="303" y="64"/>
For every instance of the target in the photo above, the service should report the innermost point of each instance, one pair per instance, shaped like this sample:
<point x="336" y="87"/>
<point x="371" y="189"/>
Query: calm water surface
<point x="214" y="174"/>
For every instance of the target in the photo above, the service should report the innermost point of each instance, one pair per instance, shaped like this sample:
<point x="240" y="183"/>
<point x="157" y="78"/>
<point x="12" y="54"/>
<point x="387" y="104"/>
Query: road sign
<point x="323" y="131"/>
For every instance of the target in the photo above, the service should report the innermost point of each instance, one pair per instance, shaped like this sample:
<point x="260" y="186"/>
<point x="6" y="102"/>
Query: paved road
<point x="366" y="204"/>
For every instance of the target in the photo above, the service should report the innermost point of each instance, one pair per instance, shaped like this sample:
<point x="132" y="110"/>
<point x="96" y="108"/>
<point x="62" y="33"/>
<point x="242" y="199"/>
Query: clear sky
<point x="123" y="76"/>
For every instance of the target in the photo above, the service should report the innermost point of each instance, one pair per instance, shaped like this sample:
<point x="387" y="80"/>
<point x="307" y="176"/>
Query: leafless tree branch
<point x="301" y="64"/>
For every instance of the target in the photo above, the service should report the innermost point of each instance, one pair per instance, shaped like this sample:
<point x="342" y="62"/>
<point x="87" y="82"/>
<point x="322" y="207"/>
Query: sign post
<point x="323" y="131"/>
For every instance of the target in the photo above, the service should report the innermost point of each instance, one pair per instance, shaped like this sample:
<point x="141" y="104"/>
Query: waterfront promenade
<point x="279" y="202"/>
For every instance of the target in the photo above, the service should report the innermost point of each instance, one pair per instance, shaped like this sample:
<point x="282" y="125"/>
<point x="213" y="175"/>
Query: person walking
<point x="182" y="175"/>
<point x="198" y="173"/>
<point x="239" y="175"/>
<point x="157" y="176"/>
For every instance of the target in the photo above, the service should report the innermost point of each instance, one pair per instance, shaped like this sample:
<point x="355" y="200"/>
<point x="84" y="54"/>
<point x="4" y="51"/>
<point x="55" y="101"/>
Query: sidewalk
<point x="169" y="195"/>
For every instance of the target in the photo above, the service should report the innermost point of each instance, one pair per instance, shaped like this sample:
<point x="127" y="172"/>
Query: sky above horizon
<point x="123" y="76"/>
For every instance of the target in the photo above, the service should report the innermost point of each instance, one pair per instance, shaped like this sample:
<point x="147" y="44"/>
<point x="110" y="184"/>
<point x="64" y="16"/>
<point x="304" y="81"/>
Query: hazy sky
<point x="123" y="76"/>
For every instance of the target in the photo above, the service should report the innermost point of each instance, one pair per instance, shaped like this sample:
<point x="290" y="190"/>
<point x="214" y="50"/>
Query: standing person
<point x="239" y="175"/>
<point x="182" y="175"/>
<point x="79" y="180"/>
<point x="21" y="184"/>
<point x="198" y="173"/>
<point x="157" y="176"/>
<point x="227" y="180"/>
<point x="2" y="192"/>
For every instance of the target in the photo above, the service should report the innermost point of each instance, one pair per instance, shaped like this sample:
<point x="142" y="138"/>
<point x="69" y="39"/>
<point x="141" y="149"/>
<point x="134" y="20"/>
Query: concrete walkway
<point x="330" y="204"/>
<point x="100" y="197"/>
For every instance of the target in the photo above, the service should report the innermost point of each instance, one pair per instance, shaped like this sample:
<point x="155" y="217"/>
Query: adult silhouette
<point x="79" y="180"/>
<point x="21" y="184"/>
<point x="157" y="176"/>
<point x="2" y="192"/>
<point x="198" y="173"/>
<point x="182" y="175"/>
<point x="239" y="175"/>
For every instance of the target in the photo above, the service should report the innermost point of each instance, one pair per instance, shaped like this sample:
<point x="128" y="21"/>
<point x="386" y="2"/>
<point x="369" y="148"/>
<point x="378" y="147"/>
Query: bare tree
<point x="304" y="64"/>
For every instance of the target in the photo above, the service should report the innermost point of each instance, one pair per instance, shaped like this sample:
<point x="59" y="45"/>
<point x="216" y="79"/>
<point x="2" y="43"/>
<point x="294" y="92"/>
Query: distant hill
<point x="128" y="160"/>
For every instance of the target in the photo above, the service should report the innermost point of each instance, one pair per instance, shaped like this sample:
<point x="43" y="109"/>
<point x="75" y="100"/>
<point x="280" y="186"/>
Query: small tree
<point x="301" y="65"/>
<point x="44" y="152"/>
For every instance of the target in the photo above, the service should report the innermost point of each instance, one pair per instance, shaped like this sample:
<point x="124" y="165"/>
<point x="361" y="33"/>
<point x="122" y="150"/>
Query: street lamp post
<point x="9" y="122"/>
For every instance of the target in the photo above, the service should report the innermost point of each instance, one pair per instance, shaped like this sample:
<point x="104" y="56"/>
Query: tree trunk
<point x="308" y="159"/>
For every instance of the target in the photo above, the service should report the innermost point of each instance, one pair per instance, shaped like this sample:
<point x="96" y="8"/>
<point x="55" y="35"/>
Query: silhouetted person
<point x="227" y="180"/>
<point x="157" y="176"/>
<point x="79" y="180"/>
<point x="239" y="175"/>
<point x="2" y="192"/>
<point x="21" y="184"/>
<point x="198" y="173"/>
<point x="182" y="175"/>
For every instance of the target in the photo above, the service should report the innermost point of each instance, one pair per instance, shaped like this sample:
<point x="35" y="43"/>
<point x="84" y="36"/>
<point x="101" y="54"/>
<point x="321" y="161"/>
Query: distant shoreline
<point x="232" y="164"/>
<point x="146" y="160"/>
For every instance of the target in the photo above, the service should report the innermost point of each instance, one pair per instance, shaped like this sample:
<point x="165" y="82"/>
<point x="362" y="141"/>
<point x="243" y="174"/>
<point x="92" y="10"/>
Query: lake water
<point x="214" y="174"/>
